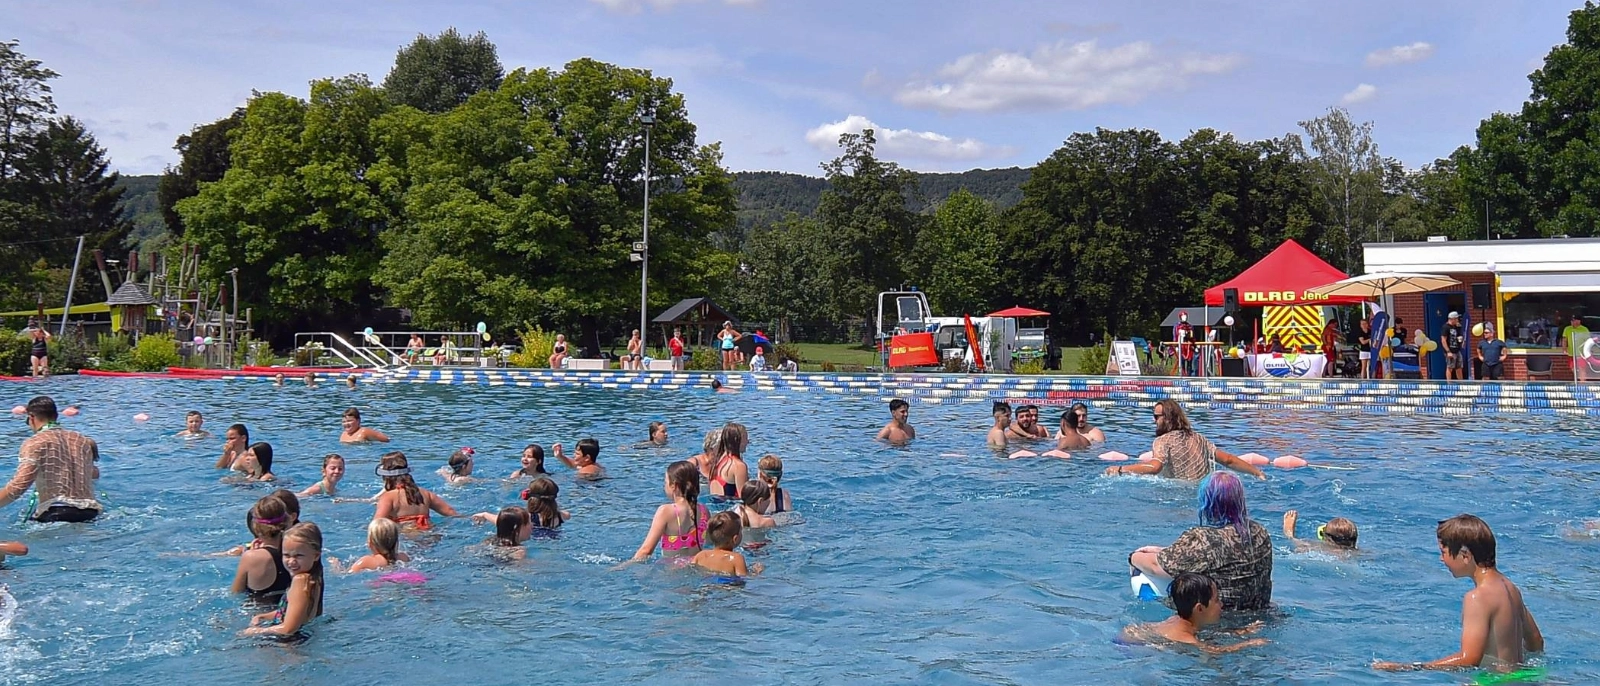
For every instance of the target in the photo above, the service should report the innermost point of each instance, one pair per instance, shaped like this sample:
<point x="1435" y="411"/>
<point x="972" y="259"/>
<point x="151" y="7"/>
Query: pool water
<point x="934" y="564"/>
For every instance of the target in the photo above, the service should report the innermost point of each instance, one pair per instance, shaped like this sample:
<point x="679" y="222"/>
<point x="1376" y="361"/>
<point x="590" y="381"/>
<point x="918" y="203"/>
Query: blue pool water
<point x="936" y="564"/>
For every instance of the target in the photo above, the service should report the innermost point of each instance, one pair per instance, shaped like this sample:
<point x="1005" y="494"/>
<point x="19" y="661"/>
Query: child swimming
<point x="458" y="469"/>
<point x="680" y="525"/>
<point x="511" y="528"/>
<point x="234" y="442"/>
<point x="302" y="601"/>
<point x="1198" y="605"/>
<point x="277" y="379"/>
<point x="332" y="472"/>
<point x="261" y="572"/>
<point x="1338" y="535"/>
<point x="899" y="430"/>
<point x="658" y="433"/>
<point x="532" y="463"/>
<point x="383" y="540"/>
<point x="770" y="468"/>
<point x="543" y="509"/>
<point x="256" y="462"/>
<point x="402" y="500"/>
<point x="729" y="473"/>
<point x="291" y="507"/>
<point x="752" y="506"/>
<point x="725" y="533"/>
<point x="353" y="432"/>
<point x="311" y="379"/>
<point x="588" y="455"/>
<point x="192" y="424"/>
<point x="1497" y="630"/>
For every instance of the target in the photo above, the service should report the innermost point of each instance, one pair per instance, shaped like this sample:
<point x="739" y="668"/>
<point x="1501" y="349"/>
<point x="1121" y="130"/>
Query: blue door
<point x="1436" y="310"/>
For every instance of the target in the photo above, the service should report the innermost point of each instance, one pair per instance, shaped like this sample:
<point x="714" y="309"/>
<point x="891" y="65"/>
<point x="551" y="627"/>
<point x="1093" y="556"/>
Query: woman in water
<point x="771" y="471"/>
<point x="709" y="452"/>
<point x="383" y="540"/>
<point x="302" y="557"/>
<point x="404" y="502"/>
<point x="256" y="462"/>
<point x="680" y="525"/>
<point x="332" y="472"/>
<point x="727" y="340"/>
<point x="261" y="572"/>
<point x="558" y="354"/>
<point x="532" y="463"/>
<point x="730" y="472"/>
<point x="1228" y="546"/>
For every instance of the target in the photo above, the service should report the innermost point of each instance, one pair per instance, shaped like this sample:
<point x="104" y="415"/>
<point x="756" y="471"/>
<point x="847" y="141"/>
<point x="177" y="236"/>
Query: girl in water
<point x="291" y="505"/>
<point x="302" y="557"/>
<point x="658" y="433"/>
<point x="771" y="470"/>
<point x="752" y="504"/>
<point x="261" y="572"/>
<point x="332" y="472"/>
<point x="543" y="510"/>
<point x="680" y="525"/>
<point x="402" y="500"/>
<point x="383" y="540"/>
<point x="511" y="528"/>
<point x="459" y="469"/>
<point x="532" y="463"/>
<point x="256" y="462"/>
<point x="730" y="472"/>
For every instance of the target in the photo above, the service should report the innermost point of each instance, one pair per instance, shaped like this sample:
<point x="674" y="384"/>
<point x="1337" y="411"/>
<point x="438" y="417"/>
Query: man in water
<point x="1180" y="452"/>
<point x="354" y="432"/>
<point x="898" y="431"/>
<point x="1497" y="630"/>
<point x="1492" y="354"/>
<point x="1455" y="364"/>
<point x="1027" y="425"/>
<point x="1002" y="421"/>
<point x="61" y="467"/>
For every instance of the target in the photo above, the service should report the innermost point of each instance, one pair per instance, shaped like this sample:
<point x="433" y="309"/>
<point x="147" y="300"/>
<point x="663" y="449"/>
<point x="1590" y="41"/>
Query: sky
<point x="948" y="85"/>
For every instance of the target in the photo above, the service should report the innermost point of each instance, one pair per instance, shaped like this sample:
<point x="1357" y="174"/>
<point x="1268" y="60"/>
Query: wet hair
<point x="310" y="533"/>
<point x="291" y="503"/>
<point x="511" y="520"/>
<point x="754" y="492"/>
<point x="723" y="528"/>
<point x="715" y="384"/>
<point x="353" y="413"/>
<point x="654" y="426"/>
<point x="240" y="429"/>
<point x="458" y="460"/>
<point x="269" y="517"/>
<point x="1222" y="503"/>
<point x="1000" y="407"/>
<point x="543" y="509"/>
<point x="397" y="460"/>
<point x="770" y="467"/>
<point x="1467" y="531"/>
<point x="896" y="404"/>
<point x="538" y="457"/>
<point x="330" y="457"/>
<point x="1339" y="531"/>
<point x="1172" y="417"/>
<point x="735" y="438"/>
<point x="192" y="413"/>
<point x="1189" y="589"/>
<point x="383" y="537"/>
<point x="712" y="446"/>
<point x="589" y="447"/>
<point x="42" y="408"/>
<point x="685" y="479"/>
<point x="263" y="451"/>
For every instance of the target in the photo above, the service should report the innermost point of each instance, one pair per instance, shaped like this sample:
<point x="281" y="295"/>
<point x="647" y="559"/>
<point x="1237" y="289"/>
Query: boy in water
<point x="354" y="432"/>
<point x="1337" y="536"/>
<point x="585" y="463"/>
<point x="898" y="431"/>
<point x="724" y="531"/>
<point x="1497" y="630"/>
<point x="191" y="426"/>
<point x="1194" y="597"/>
<point x="1002" y="422"/>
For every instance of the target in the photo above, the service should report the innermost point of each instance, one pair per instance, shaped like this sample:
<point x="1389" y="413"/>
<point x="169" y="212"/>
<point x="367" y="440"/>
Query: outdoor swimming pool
<point x="910" y="566"/>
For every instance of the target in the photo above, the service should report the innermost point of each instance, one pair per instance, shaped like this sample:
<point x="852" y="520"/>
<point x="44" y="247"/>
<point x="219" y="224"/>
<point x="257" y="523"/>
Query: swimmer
<point x="261" y="571"/>
<point x="311" y="379"/>
<point x="234" y="442"/>
<point x="543" y="509"/>
<point x="511" y="528"/>
<point x="532" y="463"/>
<point x="1068" y="437"/>
<point x="192" y="424"/>
<point x="719" y="388"/>
<point x="729" y="473"/>
<point x="354" y="432"/>
<point x="1338" y="535"/>
<point x="1195" y="598"/>
<point x="332" y="472"/>
<point x="770" y="469"/>
<point x="586" y="462"/>
<point x="898" y="431"/>
<point x="350" y="381"/>
<point x="291" y="507"/>
<point x="725" y="533"/>
<point x="1002" y="424"/>
<point x="708" y="453"/>
<point x="680" y="525"/>
<point x="302" y="602"/>
<point x="383" y="540"/>
<point x="12" y="548"/>
<point x="1497" y="630"/>
<point x="752" y="506"/>
<point x="277" y="379"/>
<point x="256" y="462"/>
<point x="1078" y="419"/>
<point x="1027" y="425"/>
<point x="402" y="500"/>
<point x="459" y="468"/>
<point x="658" y="433"/>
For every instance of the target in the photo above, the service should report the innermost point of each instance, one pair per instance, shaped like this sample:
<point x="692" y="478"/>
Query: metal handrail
<point x="393" y="345"/>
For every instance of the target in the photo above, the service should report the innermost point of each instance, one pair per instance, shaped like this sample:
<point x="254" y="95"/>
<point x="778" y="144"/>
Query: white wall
<point x="1509" y="257"/>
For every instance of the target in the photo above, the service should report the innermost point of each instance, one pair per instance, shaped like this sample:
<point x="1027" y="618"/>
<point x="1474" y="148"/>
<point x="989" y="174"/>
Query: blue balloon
<point x="482" y="327"/>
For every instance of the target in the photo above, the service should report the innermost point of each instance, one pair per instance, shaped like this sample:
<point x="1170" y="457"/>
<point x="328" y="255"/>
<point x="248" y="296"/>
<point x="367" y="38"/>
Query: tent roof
<point x="1198" y="316"/>
<point x="131" y="294"/>
<point x="678" y="312"/>
<point x="1019" y="311"/>
<point x="1287" y="272"/>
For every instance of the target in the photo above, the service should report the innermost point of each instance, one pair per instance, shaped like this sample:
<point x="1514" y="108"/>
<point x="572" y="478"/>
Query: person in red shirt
<point x="676" y="346"/>
<point x="1330" y="347"/>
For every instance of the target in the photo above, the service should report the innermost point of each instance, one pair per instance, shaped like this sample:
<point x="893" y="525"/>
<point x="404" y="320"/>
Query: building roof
<point x="708" y="311"/>
<point x="1505" y="257"/>
<point x="130" y="294"/>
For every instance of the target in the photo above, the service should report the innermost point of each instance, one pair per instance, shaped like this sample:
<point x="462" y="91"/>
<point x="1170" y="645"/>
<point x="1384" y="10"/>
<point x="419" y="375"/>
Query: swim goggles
<point x="1320" y="530"/>
<point x="380" y="471"/>
<point x="772" y="473"/>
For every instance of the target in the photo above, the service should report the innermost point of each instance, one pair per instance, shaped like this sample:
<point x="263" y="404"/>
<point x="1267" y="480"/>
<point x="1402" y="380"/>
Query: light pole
<point x="649" y="123"/>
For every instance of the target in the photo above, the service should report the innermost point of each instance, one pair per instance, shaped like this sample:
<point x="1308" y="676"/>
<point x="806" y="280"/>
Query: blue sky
<point x="949" y="85"/>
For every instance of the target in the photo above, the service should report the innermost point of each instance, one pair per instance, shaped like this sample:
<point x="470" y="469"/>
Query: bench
<point x="580" y="363"/>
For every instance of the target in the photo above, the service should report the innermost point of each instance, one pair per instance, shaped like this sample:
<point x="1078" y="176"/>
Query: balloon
<point x="1394" y="342"/>
<point x="367" y="331"/>
<point x="1239" y="353"/>
<point x="1113" y="456"/>
<point x="1429" y="346"/>
<point x="1289" y="462"/>
<point x="19" y="410"/>
<point x="1389" y="332"/>
<point x="485" y="335"/>
<point x="1477" y="329"/>
<point x="199" y="340"/>
<point x="141" y="417"/>
<point x="208" y="340"/>
<point x="1228" y="320"/>
<point x="482" y="327"/>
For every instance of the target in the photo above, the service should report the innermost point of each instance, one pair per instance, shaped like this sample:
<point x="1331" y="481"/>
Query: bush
<point x="782" y="351"/>
<point x="1093" y="361"/>
<point x="155" y="353"/>
<point x="704" y="359"/>
<point x="537" y="347"/>
<point x="1030" y="367"/>
<point x="68" y="355"/>
<point x="14" y="353"/>
<point x="112" y="348"/>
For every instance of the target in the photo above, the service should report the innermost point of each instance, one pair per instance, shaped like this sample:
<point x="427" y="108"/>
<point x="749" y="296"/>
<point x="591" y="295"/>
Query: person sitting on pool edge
<point x="1198" y="604"/>
<point x="1180" y="452"/>
<point x="1497" y="630"/>
<point x="354" y="432"/>
<point x="898" y="431"/>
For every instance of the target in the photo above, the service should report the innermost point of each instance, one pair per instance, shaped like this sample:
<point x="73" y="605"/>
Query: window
<point x="1535" y="320"/>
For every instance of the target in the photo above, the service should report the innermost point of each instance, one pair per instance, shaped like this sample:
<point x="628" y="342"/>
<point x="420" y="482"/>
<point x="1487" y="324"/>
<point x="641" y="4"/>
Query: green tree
<point x="202" y="158"/>
<point x="1348" y="175"/>
<point x="958" y="255"/>
<point x="865" y="215"/>
<point x="26" y="104"/>
<point x="437" y="74"/>
<point x="782" y="276"/>
<point x="70" y="180"/>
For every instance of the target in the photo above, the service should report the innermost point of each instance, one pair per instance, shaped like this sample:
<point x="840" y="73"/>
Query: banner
<point x="1288" y="366"/>
<point x="1126" y="357"/>
<point x="912" y="350"/>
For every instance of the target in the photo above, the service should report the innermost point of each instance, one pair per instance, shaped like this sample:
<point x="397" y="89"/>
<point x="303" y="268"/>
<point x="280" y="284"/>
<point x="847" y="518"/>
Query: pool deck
<point x="1320" y="395"/>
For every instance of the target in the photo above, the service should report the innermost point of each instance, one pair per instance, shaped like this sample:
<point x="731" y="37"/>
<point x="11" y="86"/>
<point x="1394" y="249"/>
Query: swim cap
<point x="380" y="471"/>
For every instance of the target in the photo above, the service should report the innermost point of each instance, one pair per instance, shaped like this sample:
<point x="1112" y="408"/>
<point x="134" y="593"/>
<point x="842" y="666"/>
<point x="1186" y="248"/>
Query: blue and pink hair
<point x="1222" y="503"/>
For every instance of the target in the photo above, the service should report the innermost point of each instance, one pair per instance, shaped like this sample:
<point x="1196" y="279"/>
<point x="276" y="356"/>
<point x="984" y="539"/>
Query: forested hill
<point x="765" y="197"/>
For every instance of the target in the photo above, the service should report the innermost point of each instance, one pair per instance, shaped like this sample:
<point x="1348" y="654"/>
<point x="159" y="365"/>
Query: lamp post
<point x="649" y="123"/>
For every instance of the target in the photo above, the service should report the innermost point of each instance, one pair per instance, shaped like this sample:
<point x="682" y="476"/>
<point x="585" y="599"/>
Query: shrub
<point x="781" y="351"/>
<point x="68" y="355"/>
<point x="1030" y="367"/>
<point x="537" y="346"/>
<point x="704" y="359"/>
<point x="112" y="348"/>
<point x="155" y="353"/>
<point x="14" y="352"/>
<point x="1093" y="361"/>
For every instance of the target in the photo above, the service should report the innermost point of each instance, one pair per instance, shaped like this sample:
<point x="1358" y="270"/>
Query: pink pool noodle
<point x="1113" y="456"/>
<point x="1289" y="462"/>
<point x="404" y="577"/>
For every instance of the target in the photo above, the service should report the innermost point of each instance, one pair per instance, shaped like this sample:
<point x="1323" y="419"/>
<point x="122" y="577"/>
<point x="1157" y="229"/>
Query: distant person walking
<point x="1492" y="354"/>
<point x="59" y="465"/>
<point x="676" y="347"/>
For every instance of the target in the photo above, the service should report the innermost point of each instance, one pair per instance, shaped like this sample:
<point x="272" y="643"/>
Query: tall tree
<point x="958" y="255"/>
<point x="783" y="276"/>
<point x="202" y="158"/>
<point x="25" y="104"/>
<point x="1348" y="175"/>
<point x="436" y="74"/>
<point x="70" y="180"/>
<point x="864" y="211"/>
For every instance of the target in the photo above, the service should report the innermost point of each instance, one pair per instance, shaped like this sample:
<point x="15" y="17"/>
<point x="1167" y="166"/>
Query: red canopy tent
<point x="1283" y="277"/>
<point x="1025" y="312"/>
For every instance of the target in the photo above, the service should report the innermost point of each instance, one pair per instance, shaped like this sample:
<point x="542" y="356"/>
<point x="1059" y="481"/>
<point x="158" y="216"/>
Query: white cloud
<point x="905" y="143"/>
<point x="1361" y="93"/>
<point x="1070" y="76"/>
<point x="635" y="6"/>
<point x="1400" y="54"/>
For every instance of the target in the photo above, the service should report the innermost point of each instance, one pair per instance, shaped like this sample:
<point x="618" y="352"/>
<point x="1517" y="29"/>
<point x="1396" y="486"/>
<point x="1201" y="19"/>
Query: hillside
<point x="139" y="205"/>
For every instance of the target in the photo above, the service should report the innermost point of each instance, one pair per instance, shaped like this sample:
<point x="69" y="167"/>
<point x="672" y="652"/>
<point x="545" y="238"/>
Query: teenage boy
<point x="898" y="431"/>
<point x="1194" y="597"/>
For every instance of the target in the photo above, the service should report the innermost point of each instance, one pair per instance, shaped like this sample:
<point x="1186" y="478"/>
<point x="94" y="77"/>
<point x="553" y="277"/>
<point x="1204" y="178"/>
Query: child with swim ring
<point x="680" y="525"/>
<point x="302" y="602"/>
<point x="332" y="472"/>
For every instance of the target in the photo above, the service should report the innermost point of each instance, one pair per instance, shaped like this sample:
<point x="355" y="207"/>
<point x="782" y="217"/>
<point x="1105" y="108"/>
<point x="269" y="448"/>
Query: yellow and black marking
<point x="1299" y="325"/>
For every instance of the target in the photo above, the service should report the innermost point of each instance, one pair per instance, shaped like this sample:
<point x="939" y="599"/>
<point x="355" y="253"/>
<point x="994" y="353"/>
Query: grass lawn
<point x="815" y="354"/>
